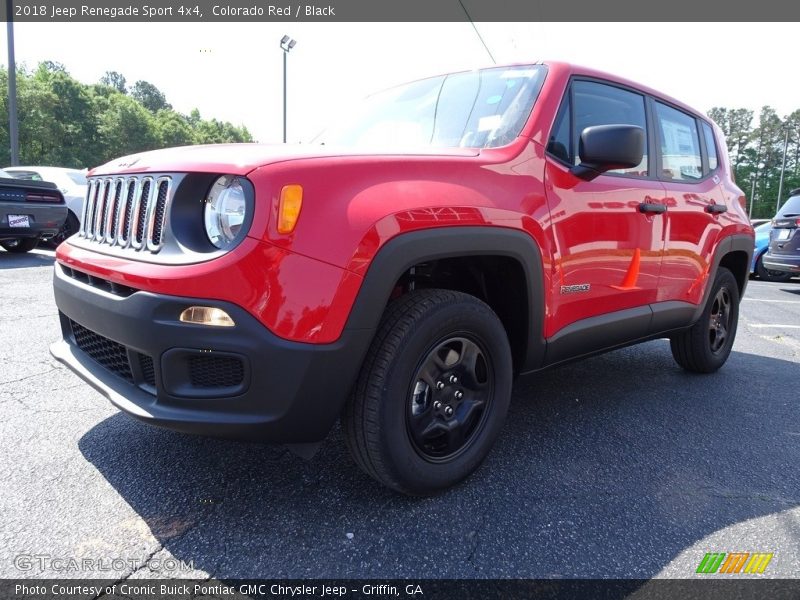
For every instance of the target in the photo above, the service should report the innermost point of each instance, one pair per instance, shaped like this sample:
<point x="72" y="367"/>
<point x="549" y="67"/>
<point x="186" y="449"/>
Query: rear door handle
<point x="648" y="207"/>
<point x="716" y="209"/>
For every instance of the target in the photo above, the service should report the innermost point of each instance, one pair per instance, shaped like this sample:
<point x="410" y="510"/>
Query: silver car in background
<point x="71" y="182"/>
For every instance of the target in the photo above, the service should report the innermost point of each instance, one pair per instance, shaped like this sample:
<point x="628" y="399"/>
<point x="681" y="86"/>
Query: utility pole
<point x="13" y="128"/>
<point x="783" y="170"/>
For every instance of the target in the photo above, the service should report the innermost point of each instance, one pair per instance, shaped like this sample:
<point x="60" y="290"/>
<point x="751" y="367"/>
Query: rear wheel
<point x="704" y="347"/>
<point x="432" y="394"/>
<point x="68" y="229"/>
<point x="19" y="245"/>
<point x="767" y="275"/>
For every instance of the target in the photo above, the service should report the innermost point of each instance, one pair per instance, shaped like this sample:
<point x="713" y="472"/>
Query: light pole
<point x="287" y="44"/>
<point x="783" y="170"/>
<point x="753" y="177"/>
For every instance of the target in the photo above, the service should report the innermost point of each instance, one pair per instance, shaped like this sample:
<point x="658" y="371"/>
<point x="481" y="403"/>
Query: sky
<point x="233" y="71"/>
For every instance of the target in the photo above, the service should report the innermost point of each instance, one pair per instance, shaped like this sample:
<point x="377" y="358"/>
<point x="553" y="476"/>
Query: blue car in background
<point x="762" y="245"/>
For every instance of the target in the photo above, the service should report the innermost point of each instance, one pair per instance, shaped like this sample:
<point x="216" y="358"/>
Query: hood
<point x="240" y="159"/>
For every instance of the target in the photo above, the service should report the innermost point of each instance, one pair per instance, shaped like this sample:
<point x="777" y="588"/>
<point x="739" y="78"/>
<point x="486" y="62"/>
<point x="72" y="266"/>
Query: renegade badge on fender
<point x="462" y="230"/>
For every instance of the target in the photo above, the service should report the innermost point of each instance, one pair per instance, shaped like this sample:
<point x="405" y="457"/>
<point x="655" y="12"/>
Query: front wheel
<point x="432" y="394"/>
<point x="704" y="347"/>
<point x="19" y="245"/>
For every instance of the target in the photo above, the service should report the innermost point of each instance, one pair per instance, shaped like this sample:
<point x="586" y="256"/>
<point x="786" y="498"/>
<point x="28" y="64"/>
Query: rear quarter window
<point x="791" y="207"/>
<point x="711" y="147"/>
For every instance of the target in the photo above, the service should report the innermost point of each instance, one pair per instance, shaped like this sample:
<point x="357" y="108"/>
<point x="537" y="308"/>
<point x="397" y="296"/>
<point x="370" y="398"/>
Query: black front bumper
<point x="44" y="220"/>
<point x="781" y="262"/>
<point x="238" y="382"/>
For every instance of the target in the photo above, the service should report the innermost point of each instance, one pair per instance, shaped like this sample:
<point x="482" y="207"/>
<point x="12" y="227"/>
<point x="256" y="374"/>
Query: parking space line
<point x="762" y="325"/>
<point x="775" y="301"/>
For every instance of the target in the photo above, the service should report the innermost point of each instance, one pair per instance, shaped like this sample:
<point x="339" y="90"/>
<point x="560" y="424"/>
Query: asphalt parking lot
<point x="620" y="466"/>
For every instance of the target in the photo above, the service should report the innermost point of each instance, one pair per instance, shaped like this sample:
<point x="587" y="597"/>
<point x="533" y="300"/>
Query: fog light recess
<point x="207" y="315"/>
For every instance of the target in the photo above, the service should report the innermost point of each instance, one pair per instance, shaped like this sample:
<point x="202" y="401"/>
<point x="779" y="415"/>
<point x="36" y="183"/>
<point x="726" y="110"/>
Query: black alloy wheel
<point x="449" y="397"/>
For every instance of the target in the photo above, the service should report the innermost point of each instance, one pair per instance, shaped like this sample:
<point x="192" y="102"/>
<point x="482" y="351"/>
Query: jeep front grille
<point x="127" y="211"/>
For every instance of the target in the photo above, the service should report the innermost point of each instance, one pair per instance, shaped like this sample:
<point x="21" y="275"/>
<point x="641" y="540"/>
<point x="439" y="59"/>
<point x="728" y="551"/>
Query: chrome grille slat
<point x="100" y="209"/>
<point x="127" y="211"/>
<point x="88" y="221"/>
<point x="155" y="227"/>
<point x="112" y="213"/>
<point x="124" y="234"/>
<point x="141" y="216"/>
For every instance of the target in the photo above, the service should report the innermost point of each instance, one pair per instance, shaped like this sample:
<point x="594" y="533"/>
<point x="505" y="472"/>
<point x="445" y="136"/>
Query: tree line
<point x="66" y="123"/>
<point x="756" y="154"/>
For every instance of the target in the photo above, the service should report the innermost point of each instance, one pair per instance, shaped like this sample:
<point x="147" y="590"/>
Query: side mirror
<point x="606" y="147"/>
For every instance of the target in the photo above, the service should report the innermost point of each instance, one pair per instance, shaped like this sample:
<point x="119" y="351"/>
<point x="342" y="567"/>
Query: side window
<point x="597" y="104"/>
<point x="601" y="104"/>
<point x="558" y="145"/>
<point x="711" y="146"/>
<point x="680" y="144"/>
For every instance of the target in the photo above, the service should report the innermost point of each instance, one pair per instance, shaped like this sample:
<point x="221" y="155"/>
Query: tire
<point x="767" y="275"/>
<point x="403" y="429"/>
<point x="68" y="229"/>
<point x="706" y="345"/>
<point x="19" y="245"/>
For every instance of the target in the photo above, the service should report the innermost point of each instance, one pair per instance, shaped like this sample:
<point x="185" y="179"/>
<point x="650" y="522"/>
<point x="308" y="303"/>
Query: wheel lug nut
<point x="448" y="411"/>
<point x="437" y="405"/>
<point x="459" y="394"/>
<point x="439" y="385"/>
<point x="453" y="379"/>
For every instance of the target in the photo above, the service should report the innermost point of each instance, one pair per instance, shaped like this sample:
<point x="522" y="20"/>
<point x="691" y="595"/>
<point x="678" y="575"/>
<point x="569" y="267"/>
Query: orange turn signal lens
<point x="289" y="207"/>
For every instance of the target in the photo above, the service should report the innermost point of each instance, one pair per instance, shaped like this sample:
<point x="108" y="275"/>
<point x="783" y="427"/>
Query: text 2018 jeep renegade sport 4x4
<point x="510" y="219"/>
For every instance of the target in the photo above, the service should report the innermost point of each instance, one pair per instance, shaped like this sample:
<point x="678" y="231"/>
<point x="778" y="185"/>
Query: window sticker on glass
<point x="678" y="136"/>
<point x="517" y="73"/>
<point x="489" y="123"/>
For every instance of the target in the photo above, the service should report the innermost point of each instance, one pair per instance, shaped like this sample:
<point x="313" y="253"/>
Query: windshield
<point x="78" y="177"/>
<point x="791" y="207"/>
<point x="475" y="109"/>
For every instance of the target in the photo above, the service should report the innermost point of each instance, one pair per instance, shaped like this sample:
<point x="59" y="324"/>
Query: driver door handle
<point x="651" y="207"/>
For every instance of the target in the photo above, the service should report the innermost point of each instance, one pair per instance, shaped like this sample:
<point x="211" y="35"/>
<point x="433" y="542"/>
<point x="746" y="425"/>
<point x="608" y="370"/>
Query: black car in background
<point x="29" y="211"/>
<point x="784" y="239"/>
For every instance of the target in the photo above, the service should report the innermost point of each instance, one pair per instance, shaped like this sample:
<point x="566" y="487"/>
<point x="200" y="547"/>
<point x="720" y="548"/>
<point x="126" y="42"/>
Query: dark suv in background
<point x="784" y="240"/>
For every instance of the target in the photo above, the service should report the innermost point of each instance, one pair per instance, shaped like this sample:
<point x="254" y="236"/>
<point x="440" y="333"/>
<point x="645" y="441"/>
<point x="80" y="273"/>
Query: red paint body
<point x="302" y="286"/>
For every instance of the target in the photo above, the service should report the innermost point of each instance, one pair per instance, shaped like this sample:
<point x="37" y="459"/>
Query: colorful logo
<point x="734" y="562"/>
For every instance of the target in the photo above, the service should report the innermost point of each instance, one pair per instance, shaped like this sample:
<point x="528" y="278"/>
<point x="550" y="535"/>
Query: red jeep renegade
<point x="460" y="231"/>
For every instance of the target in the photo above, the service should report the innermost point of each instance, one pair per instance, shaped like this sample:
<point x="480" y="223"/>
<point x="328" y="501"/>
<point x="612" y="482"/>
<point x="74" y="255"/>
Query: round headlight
<point x="225" y="211"/>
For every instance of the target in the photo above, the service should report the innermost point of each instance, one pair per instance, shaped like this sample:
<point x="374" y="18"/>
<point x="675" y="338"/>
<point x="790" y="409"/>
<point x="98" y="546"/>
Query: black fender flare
<point x="732" y="243"/>
<point x="408" y="249"/>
